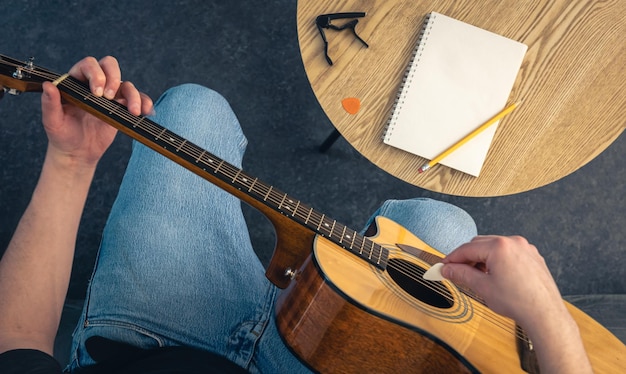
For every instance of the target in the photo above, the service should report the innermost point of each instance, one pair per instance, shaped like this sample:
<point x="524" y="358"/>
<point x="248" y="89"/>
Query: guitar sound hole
<point x="408" y="276"/>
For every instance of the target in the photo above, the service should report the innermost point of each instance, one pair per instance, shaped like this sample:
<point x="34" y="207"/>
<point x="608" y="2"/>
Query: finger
<point x="483" y="238"/>
<point x="522" y="242"/>
<point x="476" y="251"/>
<point x="51" y="107"/>
<point x="128" y="95"/>
<point x="466" y="275"/>
<point x="136" y="102"/>
<point x="88" y="69"/>
<point x="147" y="106"/>
<point x="111" y="69"/>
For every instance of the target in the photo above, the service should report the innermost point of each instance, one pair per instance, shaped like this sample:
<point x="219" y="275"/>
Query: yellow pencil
<point x="469" y="137"/>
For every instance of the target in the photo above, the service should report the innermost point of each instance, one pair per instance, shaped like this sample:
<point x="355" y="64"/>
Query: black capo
<point x="323" y="22"/>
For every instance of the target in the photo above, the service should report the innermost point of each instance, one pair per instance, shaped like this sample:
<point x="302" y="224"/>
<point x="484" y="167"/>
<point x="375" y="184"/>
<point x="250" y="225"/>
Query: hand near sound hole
<point x="513" y="279"/>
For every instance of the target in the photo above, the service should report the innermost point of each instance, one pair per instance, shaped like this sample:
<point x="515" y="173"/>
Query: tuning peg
<point x="10" y="91"/>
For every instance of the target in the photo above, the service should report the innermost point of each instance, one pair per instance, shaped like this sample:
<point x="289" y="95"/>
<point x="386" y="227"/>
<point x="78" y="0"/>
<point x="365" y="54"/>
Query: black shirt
<point x="155" y="361"/>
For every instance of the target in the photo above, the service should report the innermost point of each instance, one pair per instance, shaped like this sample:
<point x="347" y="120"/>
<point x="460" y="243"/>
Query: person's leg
<point x="176" y="266"/>
<point x="441" y="225"/>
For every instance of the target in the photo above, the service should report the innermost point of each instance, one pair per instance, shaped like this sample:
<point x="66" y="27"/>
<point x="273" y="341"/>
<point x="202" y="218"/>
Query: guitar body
<point x="343" y="315"/>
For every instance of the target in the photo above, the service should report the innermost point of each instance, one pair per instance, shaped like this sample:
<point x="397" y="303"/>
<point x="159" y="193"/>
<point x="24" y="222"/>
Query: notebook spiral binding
<point x="409" y="72"/>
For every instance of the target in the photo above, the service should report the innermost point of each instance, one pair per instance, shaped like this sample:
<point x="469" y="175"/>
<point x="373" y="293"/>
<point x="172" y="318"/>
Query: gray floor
<point x="249" y="52"/>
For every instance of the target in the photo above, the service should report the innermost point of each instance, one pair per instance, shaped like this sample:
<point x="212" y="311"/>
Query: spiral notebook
<point x="460" y="76"/>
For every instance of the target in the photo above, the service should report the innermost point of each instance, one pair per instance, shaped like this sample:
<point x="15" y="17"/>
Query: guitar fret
<point x="328" y="227"/>
<point x="181" y="145"/>
<point x="320" y="224"/>
<point x="332" y="228"/>
<point x="295" y="209"/>
<point x="252" y="185"/>
<point x="380" y="254"/>
<point x="342" y="234"/>
<point x="161" y="133"/>
<point x="282" y="201"/>
<point x="353" y="238"/>
<point x="218" y="166"/>
<point x="306" y="221"/>
<point x="268" y="193"/>
<point x="136" y="123"/>
<point x="200" y="157"/>
<point x="236" y="175"/>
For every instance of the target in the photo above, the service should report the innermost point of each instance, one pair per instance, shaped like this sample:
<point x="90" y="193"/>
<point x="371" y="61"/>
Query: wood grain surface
<point x="572" y="84"/>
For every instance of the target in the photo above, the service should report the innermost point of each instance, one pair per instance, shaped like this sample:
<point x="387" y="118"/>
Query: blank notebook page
<point x="459" y="78"/>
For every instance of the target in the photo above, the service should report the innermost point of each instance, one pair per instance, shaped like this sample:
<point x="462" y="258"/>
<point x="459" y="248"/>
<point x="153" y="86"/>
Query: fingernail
<point x="99" y="91"/>
<point x="445" y="272"/>
<point x="109" y="94"/>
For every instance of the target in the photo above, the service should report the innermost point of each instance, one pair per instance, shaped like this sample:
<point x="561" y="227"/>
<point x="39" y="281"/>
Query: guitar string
<point x="358" y="243"/>
<point x="270" y="192"/>
<point x="180" y="144"/>
<point x="406" y="270"/>
<point x="487" y="314"/>
<point x="438" y="287"/>
<point x="311" y="215"/>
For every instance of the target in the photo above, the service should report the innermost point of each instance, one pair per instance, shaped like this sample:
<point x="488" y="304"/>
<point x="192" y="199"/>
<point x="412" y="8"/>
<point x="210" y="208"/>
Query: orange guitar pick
<point x="351" y="105"/>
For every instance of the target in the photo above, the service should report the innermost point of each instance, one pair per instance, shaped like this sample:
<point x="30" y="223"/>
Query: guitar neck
<point x="233" y="179"/>
<point x="280" y="208"/>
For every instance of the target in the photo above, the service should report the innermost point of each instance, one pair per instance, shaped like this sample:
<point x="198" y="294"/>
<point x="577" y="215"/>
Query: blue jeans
<point x="176" y="265"/>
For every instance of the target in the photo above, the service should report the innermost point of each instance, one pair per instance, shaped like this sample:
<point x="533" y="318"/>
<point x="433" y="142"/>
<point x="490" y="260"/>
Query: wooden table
<point x="572" y="81"/>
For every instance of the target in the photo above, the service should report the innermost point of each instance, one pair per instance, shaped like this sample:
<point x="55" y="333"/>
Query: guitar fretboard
<point x="170" y="144"/>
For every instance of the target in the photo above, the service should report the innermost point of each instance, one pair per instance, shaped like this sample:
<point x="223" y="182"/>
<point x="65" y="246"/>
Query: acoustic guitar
<point x="351" y="302"/>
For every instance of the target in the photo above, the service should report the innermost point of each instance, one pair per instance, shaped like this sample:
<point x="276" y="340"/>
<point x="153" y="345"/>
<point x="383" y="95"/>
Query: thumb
<point x="463" y="274"/>
<point x="51" y="107"/>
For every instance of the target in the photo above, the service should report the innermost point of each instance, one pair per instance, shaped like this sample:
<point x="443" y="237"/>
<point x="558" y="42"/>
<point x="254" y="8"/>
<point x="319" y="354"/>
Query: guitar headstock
<point x="21" y="76"/>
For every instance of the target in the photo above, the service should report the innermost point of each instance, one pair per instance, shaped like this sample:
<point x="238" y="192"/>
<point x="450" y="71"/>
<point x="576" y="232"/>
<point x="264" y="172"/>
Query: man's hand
<point x="73" y="134"/>
<point x="507" y="272"/>
<point x="513" y="279"/>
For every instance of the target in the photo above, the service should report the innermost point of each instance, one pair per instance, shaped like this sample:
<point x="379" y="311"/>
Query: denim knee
<point x="441" y="225"/>
<point x="203" y="117"/>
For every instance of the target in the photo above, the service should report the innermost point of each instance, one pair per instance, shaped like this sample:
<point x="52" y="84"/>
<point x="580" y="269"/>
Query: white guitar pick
<point x="434" y="273"/>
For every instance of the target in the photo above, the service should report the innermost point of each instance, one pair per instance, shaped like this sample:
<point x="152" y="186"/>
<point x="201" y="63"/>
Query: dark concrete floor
<point x="249" y="52"/>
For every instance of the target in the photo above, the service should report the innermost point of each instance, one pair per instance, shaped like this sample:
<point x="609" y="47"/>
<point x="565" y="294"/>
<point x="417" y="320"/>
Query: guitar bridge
<point x="527" y="354"/>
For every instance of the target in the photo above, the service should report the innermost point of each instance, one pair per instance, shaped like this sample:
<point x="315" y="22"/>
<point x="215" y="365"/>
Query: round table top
<point x="572" y="82"/>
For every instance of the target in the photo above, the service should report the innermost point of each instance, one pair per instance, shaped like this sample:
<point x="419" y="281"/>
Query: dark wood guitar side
<point x="332" y="335"/>
<point x="352" y="303"/>
<point x="341" y="315"/>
